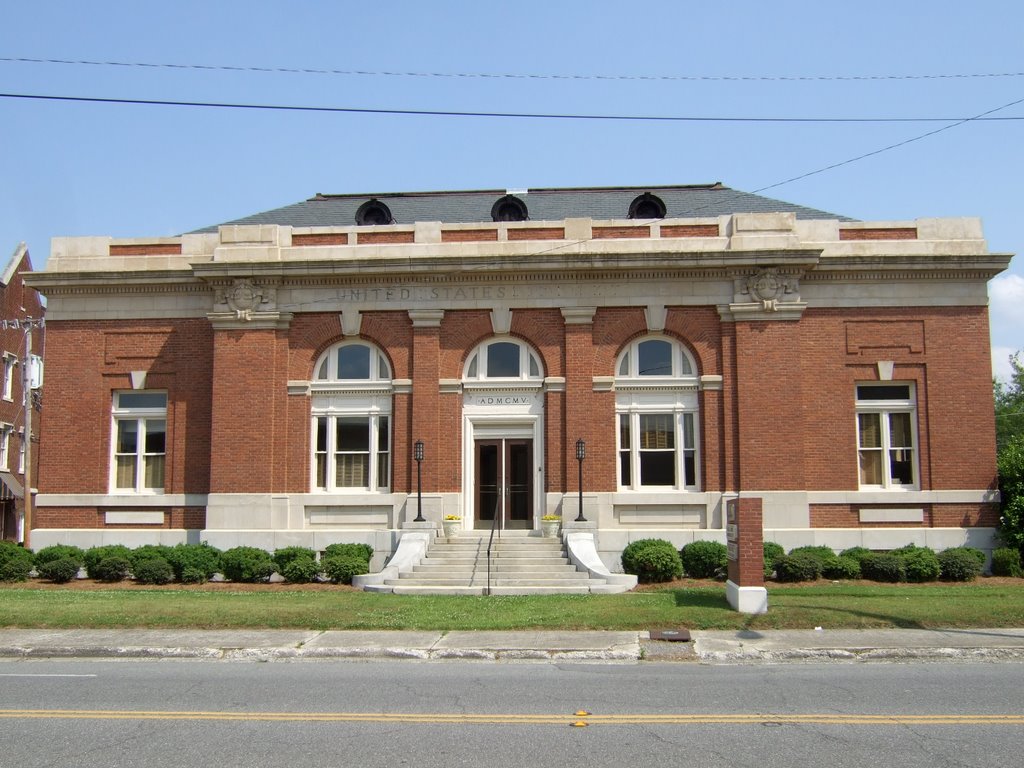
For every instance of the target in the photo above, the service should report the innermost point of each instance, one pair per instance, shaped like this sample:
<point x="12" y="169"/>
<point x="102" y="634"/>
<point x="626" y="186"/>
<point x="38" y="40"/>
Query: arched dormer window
<point x="509" y="208"/>
<point x="647" y="206"/>
<point x="351" y="411"/>
<point x="506" y="359"/>
<point x="657" y="409"/>
<point x="373" y="212"/>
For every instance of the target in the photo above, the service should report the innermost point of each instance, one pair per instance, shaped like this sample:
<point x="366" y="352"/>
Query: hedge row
<point x="657" y="560"/>
<point x="186" y="563"/>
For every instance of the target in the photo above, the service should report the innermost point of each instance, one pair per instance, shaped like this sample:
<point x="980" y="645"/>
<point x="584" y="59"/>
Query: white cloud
<point x="1001" y="362"/>
<point x="1006" y="311"/>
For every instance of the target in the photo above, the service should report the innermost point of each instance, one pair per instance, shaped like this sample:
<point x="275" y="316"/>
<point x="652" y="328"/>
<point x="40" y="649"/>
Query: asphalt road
<point x="344" y="713"/>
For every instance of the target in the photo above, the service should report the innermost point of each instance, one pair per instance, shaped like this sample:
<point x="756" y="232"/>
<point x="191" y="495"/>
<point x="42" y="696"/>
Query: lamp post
<point x="581" y="454"/>
<point x="417" y="453"/>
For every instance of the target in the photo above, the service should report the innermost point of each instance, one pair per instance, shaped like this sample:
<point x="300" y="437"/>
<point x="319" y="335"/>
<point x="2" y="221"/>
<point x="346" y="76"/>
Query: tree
<point x="1009" y="397"/>
<point x="1011" y="487"/>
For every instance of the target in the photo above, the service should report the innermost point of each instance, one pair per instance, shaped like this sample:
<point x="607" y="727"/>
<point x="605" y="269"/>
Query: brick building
<point x="17" y="304"/>
<point x="265" y="382"/>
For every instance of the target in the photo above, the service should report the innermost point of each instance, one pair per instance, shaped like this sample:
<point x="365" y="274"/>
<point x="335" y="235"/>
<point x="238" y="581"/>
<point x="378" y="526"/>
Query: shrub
<point x="704" y="559"/>
<point x="94" y="555"/>
<point x="112" y="568"/>
<point x="190" y="574"/>
<point x="199" y="557"/>
<point x="857" y="553"/>
<point x="883" y="566"/>
<point x="652" y="560"/>
<point x="772" y="552"/>
<point x="842" y="567"/>
<point x="247" y="564"/>
<point x="60" y="571"/>
<point x="824" y="555"/>
<point x="959" y="564"/>
<point x="148" y="552"/>
<point x="59" y="552"/>
<point x="919" y="563"/>
<point x="285" y="555"/>
<point x="798" y="566"/>
<point x="301" y="570"/>
<point x="153" y="570"/>
<point x="364" y="551"/>
<point x="977" y="553"/>
<point x="340" y="568"/>
<point x="1006" y="562"/>
<point x="15" y="562"/>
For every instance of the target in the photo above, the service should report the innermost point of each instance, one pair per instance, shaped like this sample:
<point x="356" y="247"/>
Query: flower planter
<point x="549" y="528"/>
<point x="450" y="527"/>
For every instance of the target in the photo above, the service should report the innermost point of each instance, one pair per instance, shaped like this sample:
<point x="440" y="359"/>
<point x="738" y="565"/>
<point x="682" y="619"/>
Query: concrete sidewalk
<point x="705" y="646"/>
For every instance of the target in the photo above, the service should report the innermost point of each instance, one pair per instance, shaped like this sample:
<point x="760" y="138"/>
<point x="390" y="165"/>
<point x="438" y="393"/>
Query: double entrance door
<point x="504" y="483"/>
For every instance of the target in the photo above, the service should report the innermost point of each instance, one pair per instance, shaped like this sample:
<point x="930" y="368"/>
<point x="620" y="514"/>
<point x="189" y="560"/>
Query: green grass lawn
<point x="833" y="605"/>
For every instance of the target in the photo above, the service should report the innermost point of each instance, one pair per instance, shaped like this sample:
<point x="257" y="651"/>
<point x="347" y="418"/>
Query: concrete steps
<point x="520" y="565"/>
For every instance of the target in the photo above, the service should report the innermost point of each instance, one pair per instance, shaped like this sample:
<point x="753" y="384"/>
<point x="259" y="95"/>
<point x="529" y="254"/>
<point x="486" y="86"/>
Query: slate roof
<point x="689" y="201"/>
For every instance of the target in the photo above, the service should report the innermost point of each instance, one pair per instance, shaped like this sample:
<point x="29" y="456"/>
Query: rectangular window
<point x="657" y="450"/>
<point x="140" y="441"/>
<point x="5" y="445"/>
<point x="351" y="453"/>
<point x="886" y="429"/>
<point x="10" y="371"/>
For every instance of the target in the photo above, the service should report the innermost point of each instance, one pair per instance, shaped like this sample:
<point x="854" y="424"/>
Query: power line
<point x="981" y="116"/>
<point x="522" y="115"/>
<point x="514" y="75"/>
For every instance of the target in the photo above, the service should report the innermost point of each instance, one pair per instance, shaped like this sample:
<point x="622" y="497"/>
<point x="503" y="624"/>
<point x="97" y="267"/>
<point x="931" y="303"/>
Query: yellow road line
<point x="519" y="718"/>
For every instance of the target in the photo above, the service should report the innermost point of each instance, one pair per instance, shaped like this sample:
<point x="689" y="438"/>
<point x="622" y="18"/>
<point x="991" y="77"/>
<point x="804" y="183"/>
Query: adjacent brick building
<point x="266" y="382"/>
<point x="21" y="322"/>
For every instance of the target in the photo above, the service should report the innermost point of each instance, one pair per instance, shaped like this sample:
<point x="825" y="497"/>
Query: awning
<point x="10" y="486"/>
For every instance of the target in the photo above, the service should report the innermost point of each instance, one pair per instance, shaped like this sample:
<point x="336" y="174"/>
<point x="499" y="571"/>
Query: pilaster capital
<point x="578" y="315"/>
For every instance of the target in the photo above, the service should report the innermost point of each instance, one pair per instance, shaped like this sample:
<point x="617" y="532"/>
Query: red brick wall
<point x="92" y="517"/>
<point x="935" y="515"/>
<point x="86" y="362"/>
<point x="770" y="397"/>
<point x="783" y="420"/>
<point x="249" y="436"/>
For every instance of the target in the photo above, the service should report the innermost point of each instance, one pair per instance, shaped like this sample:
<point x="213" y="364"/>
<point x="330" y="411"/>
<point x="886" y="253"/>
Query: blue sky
<point x="92" y="169"/>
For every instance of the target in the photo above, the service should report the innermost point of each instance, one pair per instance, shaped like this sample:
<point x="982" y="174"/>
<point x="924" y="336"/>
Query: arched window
<point x="351" y="412"/>
<point x="647" y="206"/>
<point x="658" y="420"/>
<point x="655" y="356"/>
<point x="373" y="212"/>
<point x="509" y="208"/>
<point x="352" y="361"/>
<point x="503" y="359"/>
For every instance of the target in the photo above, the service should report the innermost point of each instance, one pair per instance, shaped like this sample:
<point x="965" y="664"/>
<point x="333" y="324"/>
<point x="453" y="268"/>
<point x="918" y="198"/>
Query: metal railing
<point x="490" y="541"/>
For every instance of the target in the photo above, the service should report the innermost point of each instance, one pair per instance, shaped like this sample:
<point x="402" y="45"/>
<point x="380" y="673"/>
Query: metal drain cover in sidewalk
<point x="672" y="635"/>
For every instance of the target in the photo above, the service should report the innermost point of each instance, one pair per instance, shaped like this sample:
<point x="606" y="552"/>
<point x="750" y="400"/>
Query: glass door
<point x="504" y="483"/>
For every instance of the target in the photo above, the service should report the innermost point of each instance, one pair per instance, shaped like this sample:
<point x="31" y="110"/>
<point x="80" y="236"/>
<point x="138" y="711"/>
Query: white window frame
<point x="530" y="368"/>
<point x="884" y="410"/>
<point x="673" y="394"/>
<point x="681" y="449"/>
<point x="143" y="417"/>
<point x="6" y="430"/>
<point x="335" y="399"/>
<point x="10" y="365"/>
<point x="326" y="368"/>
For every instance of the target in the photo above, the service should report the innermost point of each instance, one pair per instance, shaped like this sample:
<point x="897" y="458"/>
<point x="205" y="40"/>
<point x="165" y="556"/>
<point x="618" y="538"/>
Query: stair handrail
<point x="490" y="543"/>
